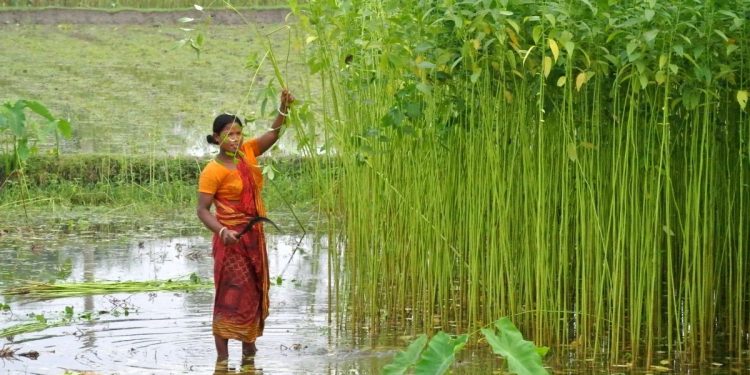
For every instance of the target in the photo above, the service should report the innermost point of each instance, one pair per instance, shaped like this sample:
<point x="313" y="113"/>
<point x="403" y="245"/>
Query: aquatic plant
<point x="436" y="357"/>
<point x="583" y="164"/>
<point x="41" y="322"/>
<point x="18" y="134"/>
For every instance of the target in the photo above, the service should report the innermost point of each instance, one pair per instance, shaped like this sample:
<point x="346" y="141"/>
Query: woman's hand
<point x="229" y="237"/>
<point x="285" y="100"/>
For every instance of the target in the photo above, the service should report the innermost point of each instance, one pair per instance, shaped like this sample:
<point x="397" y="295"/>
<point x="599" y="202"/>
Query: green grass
<point x="144" y="185"/>
<point x="127" y="90"/>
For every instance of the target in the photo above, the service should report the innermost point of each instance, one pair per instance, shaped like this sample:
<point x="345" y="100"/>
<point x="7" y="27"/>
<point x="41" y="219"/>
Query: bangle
<point x="282" y="113"/>
<point x="222" y="231"/>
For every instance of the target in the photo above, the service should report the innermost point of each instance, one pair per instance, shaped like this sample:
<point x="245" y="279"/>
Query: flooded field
<point x="168" y="332"/>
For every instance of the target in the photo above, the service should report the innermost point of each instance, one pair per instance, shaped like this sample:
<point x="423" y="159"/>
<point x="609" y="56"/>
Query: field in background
<point x="129" y="89"/>
<point x="153" y="4"/>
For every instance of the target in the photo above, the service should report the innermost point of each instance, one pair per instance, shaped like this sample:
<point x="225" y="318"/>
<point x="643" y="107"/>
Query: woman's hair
<point x="220" y="123"/>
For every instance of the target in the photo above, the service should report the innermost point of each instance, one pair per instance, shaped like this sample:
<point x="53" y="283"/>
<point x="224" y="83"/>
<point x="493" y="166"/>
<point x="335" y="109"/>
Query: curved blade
<point x="256" y="220"/>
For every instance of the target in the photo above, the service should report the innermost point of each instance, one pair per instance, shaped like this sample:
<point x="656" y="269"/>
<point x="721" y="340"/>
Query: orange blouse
<point x="225" y="183"/>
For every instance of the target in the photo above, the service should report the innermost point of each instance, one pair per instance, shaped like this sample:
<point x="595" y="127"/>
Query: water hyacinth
<point x="583" y="167"/>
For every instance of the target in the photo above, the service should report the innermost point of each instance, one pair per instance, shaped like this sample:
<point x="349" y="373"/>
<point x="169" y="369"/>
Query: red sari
<point x="241" y="270"/>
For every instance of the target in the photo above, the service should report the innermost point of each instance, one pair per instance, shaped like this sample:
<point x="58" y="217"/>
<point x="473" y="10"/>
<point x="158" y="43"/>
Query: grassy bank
<point x="51" y="187"/>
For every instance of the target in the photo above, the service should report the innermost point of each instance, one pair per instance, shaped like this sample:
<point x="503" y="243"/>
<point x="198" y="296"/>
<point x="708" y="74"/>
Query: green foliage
<point x="18" y="134"/>
<point x="405" y="359"/>
<point x="426" y="44"/>
<point x="580" y="163"/>
<point x="40" y="322"/>
<point x="522" y="355"/>
<point x="439" y="354"/>
<point x="195" y="36"/>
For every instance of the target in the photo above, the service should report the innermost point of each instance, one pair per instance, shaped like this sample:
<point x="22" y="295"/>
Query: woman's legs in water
<point x="222" y="348"/>
<point x="248" y="349"/>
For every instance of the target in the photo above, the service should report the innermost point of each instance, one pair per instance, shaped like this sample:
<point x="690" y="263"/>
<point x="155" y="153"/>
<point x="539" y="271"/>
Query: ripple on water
<point x="168" y="332"/>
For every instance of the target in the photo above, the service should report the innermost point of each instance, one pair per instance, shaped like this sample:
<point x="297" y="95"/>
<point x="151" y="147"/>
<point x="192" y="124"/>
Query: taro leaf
<point x="440" y="354"/>
<point x="405" y="359"/>
<point x="63" y="126"/>
<point x="39" y="109"/>
<point x="5" y="118"/>
<point x="16" y="119"/>
<point x="22" y="149"/>
<point x="521" y="355"/>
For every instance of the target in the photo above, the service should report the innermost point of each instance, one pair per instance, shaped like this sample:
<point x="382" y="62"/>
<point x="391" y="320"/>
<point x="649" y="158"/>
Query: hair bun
<point x="211" y="140"/>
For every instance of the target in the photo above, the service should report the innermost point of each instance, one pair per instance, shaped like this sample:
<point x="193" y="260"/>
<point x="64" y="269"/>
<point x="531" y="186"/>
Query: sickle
<point x="256" y="220"/>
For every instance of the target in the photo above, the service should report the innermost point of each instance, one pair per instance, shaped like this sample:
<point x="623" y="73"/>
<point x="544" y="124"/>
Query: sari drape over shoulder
<point x="241" y="270"/>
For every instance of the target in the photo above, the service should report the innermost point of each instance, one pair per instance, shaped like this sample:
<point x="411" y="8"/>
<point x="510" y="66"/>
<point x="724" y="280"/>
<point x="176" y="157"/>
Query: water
<point x="168" y="332"/>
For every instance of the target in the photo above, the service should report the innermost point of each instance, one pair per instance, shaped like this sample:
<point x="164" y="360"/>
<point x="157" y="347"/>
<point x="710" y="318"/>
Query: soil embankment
<point x="56" y="16"/>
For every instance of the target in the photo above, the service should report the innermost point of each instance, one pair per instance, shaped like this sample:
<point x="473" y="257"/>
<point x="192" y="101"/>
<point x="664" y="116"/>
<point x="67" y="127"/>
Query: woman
<point x="232" y="182"/>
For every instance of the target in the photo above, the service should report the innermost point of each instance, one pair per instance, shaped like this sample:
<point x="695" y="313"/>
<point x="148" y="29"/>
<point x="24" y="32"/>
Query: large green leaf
<point x="403" y="360"/>
<point x="22" y="149"/>
<point x="17" y="120"/>
<point x="39" y="109"/>
<point x="4" y="118"/>
<point x="440" y="354"/>
<point x="63" y="126"/>
<point x="521" y="355"/>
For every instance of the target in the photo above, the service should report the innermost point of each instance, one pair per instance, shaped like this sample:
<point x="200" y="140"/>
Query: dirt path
<point x="132" y="17"/>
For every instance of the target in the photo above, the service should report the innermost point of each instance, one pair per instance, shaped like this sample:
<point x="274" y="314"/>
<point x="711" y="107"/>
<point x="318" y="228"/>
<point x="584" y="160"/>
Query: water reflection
<point x="170" y="332"/>
<point x="247" y="367"/>
<point x="88" y="339"/>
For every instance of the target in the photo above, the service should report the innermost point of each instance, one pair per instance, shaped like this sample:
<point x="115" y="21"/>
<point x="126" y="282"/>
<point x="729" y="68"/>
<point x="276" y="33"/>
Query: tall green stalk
<point x="583" y="169"/>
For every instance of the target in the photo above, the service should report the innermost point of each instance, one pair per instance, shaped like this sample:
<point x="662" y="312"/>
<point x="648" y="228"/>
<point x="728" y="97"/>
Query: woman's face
<point x="230" y="138"/>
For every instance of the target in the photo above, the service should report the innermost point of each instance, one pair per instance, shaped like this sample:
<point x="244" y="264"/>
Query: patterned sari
<point x="241" y="270"/>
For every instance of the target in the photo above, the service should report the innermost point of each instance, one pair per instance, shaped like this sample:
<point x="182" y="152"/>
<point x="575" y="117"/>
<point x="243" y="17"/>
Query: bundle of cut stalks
<point x="47" y="290"/>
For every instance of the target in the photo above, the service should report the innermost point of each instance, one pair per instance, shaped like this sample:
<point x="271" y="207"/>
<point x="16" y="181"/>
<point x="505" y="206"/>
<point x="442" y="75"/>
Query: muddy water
<point x="168" y="332"/>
